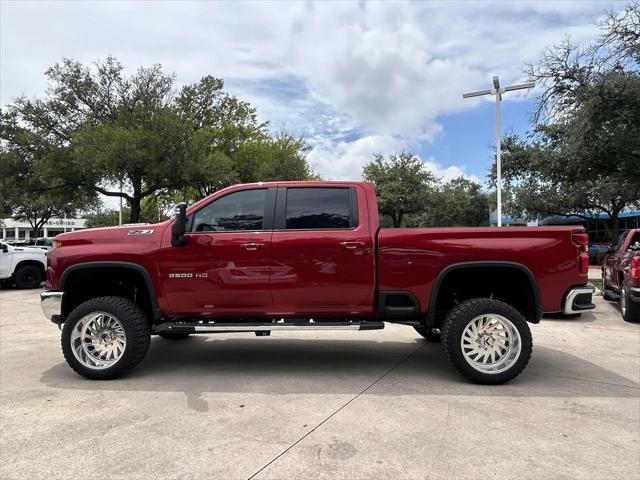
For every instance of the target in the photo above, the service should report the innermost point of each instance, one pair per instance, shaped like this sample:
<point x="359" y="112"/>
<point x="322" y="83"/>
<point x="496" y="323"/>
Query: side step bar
<point x="209" y="326"/>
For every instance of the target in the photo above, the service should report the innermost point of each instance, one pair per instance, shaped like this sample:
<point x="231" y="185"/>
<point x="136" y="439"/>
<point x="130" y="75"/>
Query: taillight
<point x="635" y="271"/>
<point x="582" y="241"/>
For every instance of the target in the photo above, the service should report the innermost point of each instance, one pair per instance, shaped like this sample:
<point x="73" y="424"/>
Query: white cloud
<point x="343" y="160"/>
<point x="380" y="74"/>
<point x="449" y="172"/>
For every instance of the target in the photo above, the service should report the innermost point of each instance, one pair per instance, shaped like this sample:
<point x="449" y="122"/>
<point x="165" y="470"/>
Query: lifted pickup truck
<point x="24" y="266"/>
<point x="304" y="256"/>
<point x="621" y="275"/>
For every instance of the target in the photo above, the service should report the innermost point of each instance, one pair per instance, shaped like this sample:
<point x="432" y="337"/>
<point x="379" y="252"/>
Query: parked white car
<point x="24" y="266"/>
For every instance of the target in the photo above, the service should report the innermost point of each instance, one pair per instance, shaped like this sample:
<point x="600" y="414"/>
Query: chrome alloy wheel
<point x="491" y="343"/>
<point x="98" y="340"/>
<point x="623" y="302"/>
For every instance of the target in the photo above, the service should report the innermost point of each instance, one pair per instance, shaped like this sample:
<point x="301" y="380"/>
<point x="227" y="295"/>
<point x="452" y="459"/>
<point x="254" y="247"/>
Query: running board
<point x="208" y="326"/>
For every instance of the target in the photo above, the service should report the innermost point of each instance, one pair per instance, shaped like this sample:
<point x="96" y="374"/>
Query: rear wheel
<point x="488" y="341"/>
<point x="105" y="337"/>
<point x="28" y="276"/>
<point x="428" y="334"/>
<point x="630" y="310"/>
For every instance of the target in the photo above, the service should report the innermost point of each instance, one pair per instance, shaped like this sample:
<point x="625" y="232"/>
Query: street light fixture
<point x="498" y="91"/>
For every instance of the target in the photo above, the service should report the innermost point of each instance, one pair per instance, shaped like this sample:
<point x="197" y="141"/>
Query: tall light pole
<point x="498" y="91"/>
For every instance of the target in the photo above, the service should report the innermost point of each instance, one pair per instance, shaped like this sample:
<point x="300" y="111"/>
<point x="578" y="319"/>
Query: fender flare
<point x="157" y="313"/>
<point x="485" y="264"/>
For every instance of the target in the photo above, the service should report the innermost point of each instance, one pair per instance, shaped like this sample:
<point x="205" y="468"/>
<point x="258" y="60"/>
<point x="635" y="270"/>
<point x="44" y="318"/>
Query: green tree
<point x="457" y="203"/>
<point x="403" y="185"/>
<point x="583" y="155"/>
<point x="104" y="217"/>
<point x="135" y="136"/>
<point x="27" y="191"/>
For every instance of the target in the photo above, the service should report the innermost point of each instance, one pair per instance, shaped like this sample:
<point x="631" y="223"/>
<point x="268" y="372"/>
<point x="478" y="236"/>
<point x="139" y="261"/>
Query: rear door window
<point x="319" y="208"/>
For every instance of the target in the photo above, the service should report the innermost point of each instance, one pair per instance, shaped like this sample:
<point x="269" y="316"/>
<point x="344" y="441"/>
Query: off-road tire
<point x="28" y="276"/>
<point x="632" y="310"/>
<point x="173" y="335"/>
<point x="453" y="328"/>
<point x="428" y="334"/>
<point x="137" y="331"/>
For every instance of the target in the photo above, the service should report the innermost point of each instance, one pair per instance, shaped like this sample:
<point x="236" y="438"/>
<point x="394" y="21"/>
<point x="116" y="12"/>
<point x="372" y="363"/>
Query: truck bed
<point x="411" y="259"/>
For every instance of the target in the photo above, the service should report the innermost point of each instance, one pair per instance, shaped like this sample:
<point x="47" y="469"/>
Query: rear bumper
<point x="578" y="300"/>
<point x="51" y="304"/>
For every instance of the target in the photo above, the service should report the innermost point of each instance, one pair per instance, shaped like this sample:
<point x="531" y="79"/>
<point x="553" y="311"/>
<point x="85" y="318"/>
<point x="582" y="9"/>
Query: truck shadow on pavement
<point x="586" y="317"/>
<point x="277" y="366"/>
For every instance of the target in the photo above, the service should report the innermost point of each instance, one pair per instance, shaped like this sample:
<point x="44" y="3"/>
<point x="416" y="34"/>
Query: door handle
<point x="252" y="247"/>
<point x="352" y="245"/>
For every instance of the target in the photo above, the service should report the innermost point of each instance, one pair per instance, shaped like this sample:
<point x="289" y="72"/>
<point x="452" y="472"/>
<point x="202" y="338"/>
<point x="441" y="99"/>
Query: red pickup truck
<point x="621" y="275"/>
<point x="309" y="255"/>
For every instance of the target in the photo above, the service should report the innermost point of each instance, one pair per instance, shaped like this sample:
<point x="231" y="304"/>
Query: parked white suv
<point x="24" y="266"/>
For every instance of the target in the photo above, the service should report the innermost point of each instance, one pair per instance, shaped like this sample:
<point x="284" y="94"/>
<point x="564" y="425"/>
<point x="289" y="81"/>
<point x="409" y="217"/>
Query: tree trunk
<point x="136" y="200"/>
<point x="614" y="219"/>
<point x="134" y="217"/>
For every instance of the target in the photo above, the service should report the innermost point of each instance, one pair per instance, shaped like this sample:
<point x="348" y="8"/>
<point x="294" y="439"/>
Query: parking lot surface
<point x="378" y="404"/>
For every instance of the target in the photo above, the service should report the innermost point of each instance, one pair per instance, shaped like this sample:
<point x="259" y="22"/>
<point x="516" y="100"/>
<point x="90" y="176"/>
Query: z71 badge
<point x="188" y="275"/>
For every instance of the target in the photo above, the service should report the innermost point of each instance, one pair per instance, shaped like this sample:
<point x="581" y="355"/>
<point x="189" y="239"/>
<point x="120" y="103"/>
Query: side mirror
<point x="179" y="226"/>
<point x="4" y="248"/>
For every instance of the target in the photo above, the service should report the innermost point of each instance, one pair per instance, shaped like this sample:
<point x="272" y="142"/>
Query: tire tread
<point x="129" y="313"/>
<point x="456" y="317"/>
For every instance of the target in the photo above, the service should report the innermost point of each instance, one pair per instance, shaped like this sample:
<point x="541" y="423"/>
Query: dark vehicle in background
<point x="621" y="275"/>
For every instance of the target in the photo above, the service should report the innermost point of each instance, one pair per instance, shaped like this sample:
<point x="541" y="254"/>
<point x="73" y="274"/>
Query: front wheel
<point x="105" y="337"/>
<point x="630" y="310"/>
<point x="488" y="341"/>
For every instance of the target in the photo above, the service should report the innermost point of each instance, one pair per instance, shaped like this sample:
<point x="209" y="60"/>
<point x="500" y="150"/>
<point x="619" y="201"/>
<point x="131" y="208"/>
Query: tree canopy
<point x="403" y="185"/>
<point x="409" y="195"/>
<point x="138" y="136"/>
<point x="583" y="155"/>
<point x="27" y="191"/>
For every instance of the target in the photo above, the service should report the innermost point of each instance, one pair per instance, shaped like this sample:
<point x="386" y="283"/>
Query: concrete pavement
<point x="379" y="404"/>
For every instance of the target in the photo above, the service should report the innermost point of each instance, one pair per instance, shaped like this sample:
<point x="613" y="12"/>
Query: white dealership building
<point x="21" y="230"/>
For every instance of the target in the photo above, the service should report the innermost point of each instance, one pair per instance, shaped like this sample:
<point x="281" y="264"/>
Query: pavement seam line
<point x="586" y="380"/>
<point x="325" y="420"/>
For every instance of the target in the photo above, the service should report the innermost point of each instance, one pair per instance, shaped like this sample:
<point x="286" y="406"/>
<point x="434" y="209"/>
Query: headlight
<point x="57" y="244"/>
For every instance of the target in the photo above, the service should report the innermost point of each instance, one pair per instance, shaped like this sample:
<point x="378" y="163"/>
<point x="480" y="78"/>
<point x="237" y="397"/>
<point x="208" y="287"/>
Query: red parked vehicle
<point x="309" y="255"/>
<point x="621" y="275"/>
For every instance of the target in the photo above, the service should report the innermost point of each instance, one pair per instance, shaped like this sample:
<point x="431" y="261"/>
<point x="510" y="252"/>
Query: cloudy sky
<point x="353" y="78"/>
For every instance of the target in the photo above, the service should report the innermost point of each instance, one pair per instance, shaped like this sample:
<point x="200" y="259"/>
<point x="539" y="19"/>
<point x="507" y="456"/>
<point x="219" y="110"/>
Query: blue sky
<point x="352" y="78"/>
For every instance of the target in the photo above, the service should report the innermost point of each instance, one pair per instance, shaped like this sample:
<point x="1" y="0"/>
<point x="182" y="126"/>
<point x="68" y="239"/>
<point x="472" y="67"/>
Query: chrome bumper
<point x="51" y="304"/>
<point x="578" y="300"/>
